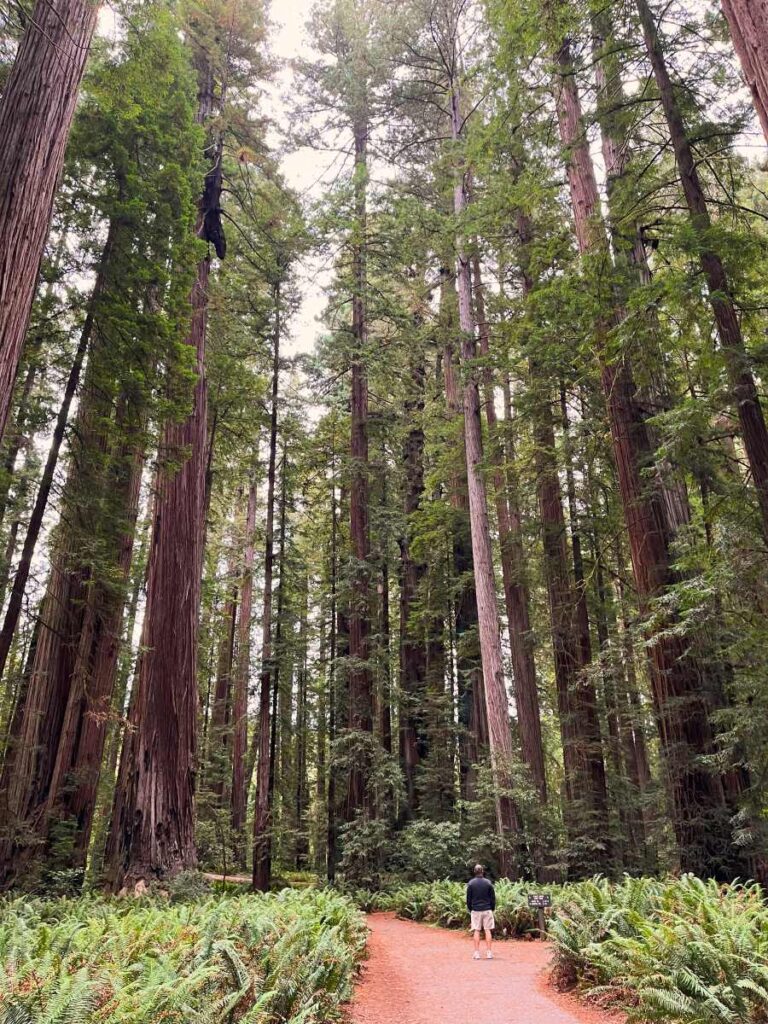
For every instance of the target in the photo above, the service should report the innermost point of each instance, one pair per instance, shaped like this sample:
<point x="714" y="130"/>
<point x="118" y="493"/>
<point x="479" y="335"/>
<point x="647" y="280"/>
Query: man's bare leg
<point x="476" y="937"/>
<point x="488" y="940"/>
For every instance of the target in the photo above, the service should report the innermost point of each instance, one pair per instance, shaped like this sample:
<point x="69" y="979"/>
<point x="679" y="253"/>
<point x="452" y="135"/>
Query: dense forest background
<point x="482" y="576"/>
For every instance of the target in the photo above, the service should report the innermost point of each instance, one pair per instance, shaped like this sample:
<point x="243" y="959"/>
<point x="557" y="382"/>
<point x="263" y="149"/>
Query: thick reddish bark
<point x="513" y="570"/>
<point x="360" y="682"/>
<point x="742" y="383"/>
<point x="153" y="816"/>
<point x="242" y="671"/>
<point x="36" y="110"/>
<point x="77" y="769"/>
<point x="748" y="22"/>
<point x="681" y="708"/>
<point x="37" y="723"/>
<point x="262" y="842"/>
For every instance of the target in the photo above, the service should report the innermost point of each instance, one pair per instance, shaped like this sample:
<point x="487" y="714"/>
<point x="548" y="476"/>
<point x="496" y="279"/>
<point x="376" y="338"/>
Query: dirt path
<point x="422" y="975"/>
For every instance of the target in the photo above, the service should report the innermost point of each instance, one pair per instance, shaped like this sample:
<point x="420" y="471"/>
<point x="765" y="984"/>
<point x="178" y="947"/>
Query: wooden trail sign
<point x="539" y="901"/>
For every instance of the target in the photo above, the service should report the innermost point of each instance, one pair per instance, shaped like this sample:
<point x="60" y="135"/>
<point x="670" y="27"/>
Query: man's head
<point x="479" y="870"/>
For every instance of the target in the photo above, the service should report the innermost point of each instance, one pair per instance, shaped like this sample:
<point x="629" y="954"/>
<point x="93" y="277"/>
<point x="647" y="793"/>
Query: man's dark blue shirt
<point x="480" y="895"/>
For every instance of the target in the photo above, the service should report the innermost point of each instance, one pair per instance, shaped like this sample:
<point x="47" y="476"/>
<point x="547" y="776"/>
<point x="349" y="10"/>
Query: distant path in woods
<point x="417" y="974"/>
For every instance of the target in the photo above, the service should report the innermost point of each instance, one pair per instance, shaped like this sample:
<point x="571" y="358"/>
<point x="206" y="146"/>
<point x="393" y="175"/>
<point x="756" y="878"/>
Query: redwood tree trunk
<point x="513" y="572"/>
<point x="219" y="731"/>
<point x="696" y="793"/>
<point x="497" y="702"/>
<point x="77" y="769"/>
<point x="13" y="611"/>
<point x="742" y="383"/>
<point x="36" y="110"/>
<point x="153" y="816"/>
<point x="748" y="22"/>
<point x="242" y="672"/>
<point x="262" y="844"/>
<point x="360" y="681"/>
<point x="473" y="738"/>
<point x="413" y="664"/>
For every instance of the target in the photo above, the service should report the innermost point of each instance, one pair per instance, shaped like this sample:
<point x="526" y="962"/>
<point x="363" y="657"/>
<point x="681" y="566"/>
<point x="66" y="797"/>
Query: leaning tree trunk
<point x="18" y="589"/>
<point x="36" y="110"/>
<point x="513" y="571"/>
<point x="473" y="720"/>
<point x="696" y="793"/>
<point x="497" y="702"/>
<point x="748" y="22"/>
<point x="742" y="383"/>
<point x="262" y="844"/>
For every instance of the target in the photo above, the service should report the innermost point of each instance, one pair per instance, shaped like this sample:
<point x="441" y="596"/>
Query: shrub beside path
<point x="417" y="974"/>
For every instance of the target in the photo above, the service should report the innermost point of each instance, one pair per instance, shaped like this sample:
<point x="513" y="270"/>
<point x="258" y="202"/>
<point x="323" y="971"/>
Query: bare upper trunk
<point x="748" y="22"/>
<point x="36" y="110"/>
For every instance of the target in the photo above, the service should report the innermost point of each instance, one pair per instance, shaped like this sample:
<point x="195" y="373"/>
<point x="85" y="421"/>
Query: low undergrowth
<point x="444" y="904"/>
<point x="287" y="958"/>
<point x="682" y="951"/>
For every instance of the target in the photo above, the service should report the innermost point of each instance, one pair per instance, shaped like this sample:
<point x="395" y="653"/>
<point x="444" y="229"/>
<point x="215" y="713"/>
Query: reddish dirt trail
<point x="422" y="975"/>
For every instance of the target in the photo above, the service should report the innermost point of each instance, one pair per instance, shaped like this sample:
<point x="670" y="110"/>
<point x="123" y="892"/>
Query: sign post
<point x="539" y="901"/>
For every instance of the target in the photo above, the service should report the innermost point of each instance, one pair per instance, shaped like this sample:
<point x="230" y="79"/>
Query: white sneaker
<point x="489" y="956"/>
<point x="475" y="956"/>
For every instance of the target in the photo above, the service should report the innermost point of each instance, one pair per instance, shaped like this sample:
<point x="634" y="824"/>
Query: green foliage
<point x="444" y="903"/>
<point x="256" y="959"/>
<point x="685" y="950"/>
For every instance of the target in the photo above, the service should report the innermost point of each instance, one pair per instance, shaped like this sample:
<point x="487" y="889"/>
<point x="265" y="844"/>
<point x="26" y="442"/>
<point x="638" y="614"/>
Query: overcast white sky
<point x="303" y="168"/>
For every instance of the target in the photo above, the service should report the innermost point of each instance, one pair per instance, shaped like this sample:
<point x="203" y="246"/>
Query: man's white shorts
<point x="482" y="920"/>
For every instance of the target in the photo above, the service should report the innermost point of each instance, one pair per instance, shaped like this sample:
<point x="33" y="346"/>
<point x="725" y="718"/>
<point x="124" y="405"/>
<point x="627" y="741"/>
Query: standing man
<point x="481" y="903"/>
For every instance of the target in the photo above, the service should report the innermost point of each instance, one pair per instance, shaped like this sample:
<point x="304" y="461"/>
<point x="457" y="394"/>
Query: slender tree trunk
<point x="413" y="737"/>
<point x="261" y="821"/>
<point x="18" y="589"/>
<point x="36" y="110"/>
<point x="472" y="716"/>
<point x="331" y="830"/>
<point x="219" y="729"/>
<point x="742" y="383"/>
<point x="360" y="682"/>
<point x="302" y="726"/>
<point x="497" y="702"/>
<point x="240" y="690"/>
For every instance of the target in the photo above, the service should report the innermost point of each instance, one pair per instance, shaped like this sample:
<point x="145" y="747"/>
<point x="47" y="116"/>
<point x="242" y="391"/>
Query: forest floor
<point x="419" y="974"/>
